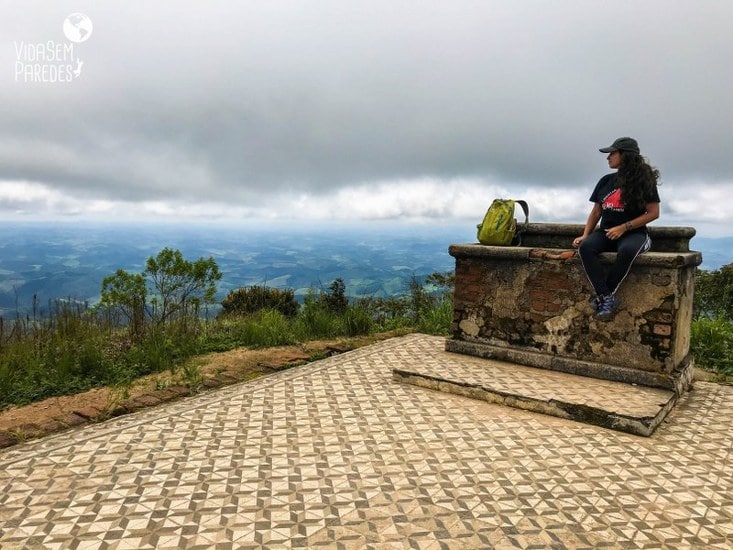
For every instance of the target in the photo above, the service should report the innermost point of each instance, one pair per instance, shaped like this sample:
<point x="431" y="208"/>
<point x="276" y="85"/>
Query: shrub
<point x="244" y="301"/>
<point x="357" y="321"/>
<point x="315" y="321"/>
<point x="266" y="329"/>
<point x="712" y="344"/>
<point x="437" y="319"/>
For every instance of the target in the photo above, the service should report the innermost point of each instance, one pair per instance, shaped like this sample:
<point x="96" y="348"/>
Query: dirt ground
<point x="19" y="424"/>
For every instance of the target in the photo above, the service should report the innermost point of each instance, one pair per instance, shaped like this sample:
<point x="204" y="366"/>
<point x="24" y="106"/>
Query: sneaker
<point x="608" y="306"/>
<point x="596" y="302"/>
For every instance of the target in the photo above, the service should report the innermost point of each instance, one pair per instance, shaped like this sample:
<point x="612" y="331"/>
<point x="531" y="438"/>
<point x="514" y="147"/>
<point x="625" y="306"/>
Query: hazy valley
<point x="68" y="260"/>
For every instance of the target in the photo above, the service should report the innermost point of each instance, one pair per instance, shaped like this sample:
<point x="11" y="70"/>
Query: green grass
<point x="77" y="348"/>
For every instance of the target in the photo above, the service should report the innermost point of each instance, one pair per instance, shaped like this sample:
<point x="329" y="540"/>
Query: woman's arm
<point x="590" y="224"/>
<point x="651" y="214"/>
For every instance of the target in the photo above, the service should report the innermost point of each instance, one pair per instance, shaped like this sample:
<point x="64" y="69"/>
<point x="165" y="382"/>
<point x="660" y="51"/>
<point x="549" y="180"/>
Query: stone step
<point x="619" y="406"/>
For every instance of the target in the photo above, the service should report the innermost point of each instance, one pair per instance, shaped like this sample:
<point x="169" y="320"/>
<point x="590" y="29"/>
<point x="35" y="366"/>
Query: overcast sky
<point x="361" y="109"/>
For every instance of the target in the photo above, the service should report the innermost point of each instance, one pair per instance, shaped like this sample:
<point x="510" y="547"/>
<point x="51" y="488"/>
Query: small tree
<point x="170" y="284"/>
<point x="335" y="299"/>
<point x="126" y="292"/>
<point x="180" y="286"/>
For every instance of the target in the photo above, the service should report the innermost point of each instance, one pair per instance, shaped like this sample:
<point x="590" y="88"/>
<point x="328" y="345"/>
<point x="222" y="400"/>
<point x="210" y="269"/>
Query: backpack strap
<point x="517" y="241"/>
<point x="525" y="208"/>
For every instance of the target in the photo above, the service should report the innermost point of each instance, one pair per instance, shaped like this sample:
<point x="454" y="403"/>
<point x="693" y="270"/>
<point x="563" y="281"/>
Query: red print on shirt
<point x="613" y="201"/>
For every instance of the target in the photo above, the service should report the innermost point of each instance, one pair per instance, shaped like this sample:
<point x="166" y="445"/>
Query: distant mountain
<point x="63" y="261"/>
<point x="716" y="252"/>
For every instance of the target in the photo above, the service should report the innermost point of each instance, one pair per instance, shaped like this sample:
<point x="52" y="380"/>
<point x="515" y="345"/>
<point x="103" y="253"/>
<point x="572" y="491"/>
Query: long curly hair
<point x="637" y="180"/>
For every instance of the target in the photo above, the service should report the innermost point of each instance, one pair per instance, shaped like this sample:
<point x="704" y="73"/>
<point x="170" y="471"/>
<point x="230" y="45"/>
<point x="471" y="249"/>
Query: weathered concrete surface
<point x="628" y="408"/>
<point x="529" y="305"/>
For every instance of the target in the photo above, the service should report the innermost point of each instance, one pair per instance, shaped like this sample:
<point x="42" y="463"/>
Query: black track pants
<point x="627" y="248"/>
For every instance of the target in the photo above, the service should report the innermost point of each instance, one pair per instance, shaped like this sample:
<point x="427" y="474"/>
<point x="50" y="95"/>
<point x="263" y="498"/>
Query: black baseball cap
<point x="622" y="144"/>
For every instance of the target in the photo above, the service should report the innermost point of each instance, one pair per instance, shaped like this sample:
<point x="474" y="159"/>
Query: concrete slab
<point x="615" y="405"/>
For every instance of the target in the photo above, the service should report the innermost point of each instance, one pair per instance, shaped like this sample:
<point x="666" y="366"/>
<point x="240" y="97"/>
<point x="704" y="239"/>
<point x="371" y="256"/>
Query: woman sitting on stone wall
<point x="625" y="201"/>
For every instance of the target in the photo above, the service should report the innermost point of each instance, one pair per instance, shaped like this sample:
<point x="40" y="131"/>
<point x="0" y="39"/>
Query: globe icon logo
<point x="78" y="27"/>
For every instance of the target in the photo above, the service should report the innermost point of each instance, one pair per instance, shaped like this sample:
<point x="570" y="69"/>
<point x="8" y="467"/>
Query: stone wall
<point x="529" y="304"/>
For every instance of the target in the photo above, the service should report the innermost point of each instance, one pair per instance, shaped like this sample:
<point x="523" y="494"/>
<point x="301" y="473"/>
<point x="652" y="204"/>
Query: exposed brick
<point x="662" y="330"/>
<point x="180" y="390"/>
<point x="473" y="290"/>
<point x="88" y="413"/>
<point x="463" y="292"/>
<point x="544" y="295"/>
<point x="659" y="316"/>
<point x="227" y="378"/>
<point x="71" y="419"/>
<point x="7" y="439"/>
<point x="119" y="410"/>
<point x="164" y="394"/>
<point x="147" y="400"/>
<point x="29" y="430"/>
<point x="51" y="426"/>
<point x="552" y="280"/>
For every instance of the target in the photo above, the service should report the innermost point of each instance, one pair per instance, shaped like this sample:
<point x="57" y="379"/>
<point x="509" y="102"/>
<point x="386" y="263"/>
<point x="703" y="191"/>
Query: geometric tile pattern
<point x="336" y="455"/>
<point x="546" y="384"/>
<point x="623" y="406"/>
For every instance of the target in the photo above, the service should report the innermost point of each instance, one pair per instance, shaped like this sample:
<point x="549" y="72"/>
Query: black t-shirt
<point x="613" y="210"/>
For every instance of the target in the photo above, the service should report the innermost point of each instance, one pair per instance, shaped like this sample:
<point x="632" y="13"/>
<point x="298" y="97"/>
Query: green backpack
<point x="499" y="227"/>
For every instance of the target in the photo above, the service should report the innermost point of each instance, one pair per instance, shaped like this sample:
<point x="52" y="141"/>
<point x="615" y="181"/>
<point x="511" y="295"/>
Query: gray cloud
<point x="243" y="101"/>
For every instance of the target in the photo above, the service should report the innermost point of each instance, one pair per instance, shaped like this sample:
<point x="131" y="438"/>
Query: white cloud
<point x="373" y="110"/>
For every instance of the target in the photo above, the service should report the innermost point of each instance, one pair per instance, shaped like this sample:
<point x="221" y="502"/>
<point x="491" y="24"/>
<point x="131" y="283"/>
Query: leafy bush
<point x="266" y="329"/>
<point x="714" y="293"/>
<point x="244" y="301"/>
<point x="712" y="344"/>
<point x="315" y="321"/>
<point x="437" y="319"/>
<point x="357" y="321"/>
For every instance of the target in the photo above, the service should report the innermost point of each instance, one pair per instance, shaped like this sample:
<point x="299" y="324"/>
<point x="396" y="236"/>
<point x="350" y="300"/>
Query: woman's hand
<point x="616" y="232"/>
<point x="577" y="241"/>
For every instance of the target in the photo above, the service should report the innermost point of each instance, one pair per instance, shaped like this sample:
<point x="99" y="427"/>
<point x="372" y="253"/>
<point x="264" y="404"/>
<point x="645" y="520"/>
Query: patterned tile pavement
<point x="337" y="455"/>
<point x="626" y="407"/>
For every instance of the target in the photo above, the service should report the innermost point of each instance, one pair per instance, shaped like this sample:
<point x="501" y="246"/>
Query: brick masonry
<point x="531" y="305"/>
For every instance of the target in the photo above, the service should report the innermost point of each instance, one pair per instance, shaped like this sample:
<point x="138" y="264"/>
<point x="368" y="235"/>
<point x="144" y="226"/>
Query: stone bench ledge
<point x="558" y="235"/>
<point x="658" y="259"/>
